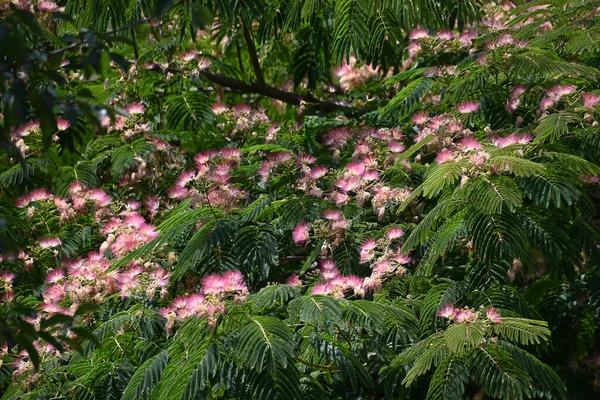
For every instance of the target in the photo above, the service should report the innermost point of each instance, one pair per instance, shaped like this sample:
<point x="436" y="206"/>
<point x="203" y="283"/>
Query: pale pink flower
<point x="49" y="242"/>
<point x="414" y="48"/>
<point x="213" y="284"/>
<point x="137" y="108"/>
<point x="448" y="311"/>
<point x="294" y="281"/>
<point x="465" y="316"/>
<point x="333" y="215"/>
<point x="369" y="244"/>
<point x="55" y="276"/>
<point x="318" y="172"/>
<point x="356" y="169"/>
<point x="418" y="33"/>
<point x="493" y="315"/>
<point x="445" y="35"/>
<point x="396" y="147"/>
<point x="99" y="197"/>
<point x="151" y="203"/>
<point x="467" y="107"/>
<point x="62" y="124"/>
<point x="560" y="90"/>
<point x="204" y="63"/>
<point x="394" y="233"/>
<point x="300" y="233"/>
<point x="445" y="156"/>
<point x="7" y="276"/>
<point x="189" y="55"/>
<point x="590" y="100"/>
<point x="47" y="6"/>
<point x="329" y="273"/>
<point x="328" y="263"/>
<point x="419" y="118"/>
<point x="470" y="143"/>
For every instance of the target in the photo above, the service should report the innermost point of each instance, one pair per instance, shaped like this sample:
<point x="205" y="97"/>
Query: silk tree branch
<point x="260" y="78"/>
<point x="278" y="94"/>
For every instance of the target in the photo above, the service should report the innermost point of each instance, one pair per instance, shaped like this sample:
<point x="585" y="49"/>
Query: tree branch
<point x="109" y="33"/>
<point x="275" y="93"/>
<point x="260" y="78"/>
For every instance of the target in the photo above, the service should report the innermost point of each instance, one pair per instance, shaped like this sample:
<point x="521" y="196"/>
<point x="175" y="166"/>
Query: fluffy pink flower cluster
<point x="210" y="183"/>
<point x="239" y="118"/>
<point x="590" y="100"/>
<point x="6" y="288"/>
<point x="468" y="107"/>
<point x="443" y="41"/>
<point x="90" y="279"/>
<point x="385" y="257"/>
<point x="131" y="125"/>
<point x="215" y="290"/>
<point x="554" y="95"/>
<point x="331" y="228"/>
<point x="336" y="285"/>
<point x="506" y="41"/>
<point x="310" y="175"/>
<point x="515" y="98"/>
<point x="467" y="315"/>
<point x="512" y="139"/>
<point x="467" y="148"/>
<point x="41" y="202"/>
<point x="441" y="127"/>
<point x="126" y="232"/>
<point x="385" y="196"/>
<point x="353" y="76"/>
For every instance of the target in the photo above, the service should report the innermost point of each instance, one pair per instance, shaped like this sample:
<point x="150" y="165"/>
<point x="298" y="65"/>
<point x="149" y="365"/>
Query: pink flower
<point x="467" y="107"/>
<point x="414" y="48"/>
<point x="369" y="245"/>
<point x="49" y="242"/>
<point x="445" y="35"/>
<point x="204" y="63"/>
<point x="300" y="233"/>
<point x="418" y="33"/>
<point x="493" y="315"/>
<point x="448" y="311"/>
<point x="465" y="316"/>
<point x="546" y="103"/>
<point x="137" y="108"/>
<point x="318" y="172"/>
<point x="213" y="284"/>
<point x="333" y="215"/>
<point x="99" y="197"/>
<point x="189" y="55"/>
<point x="219" y="108"/>
<point x="444" y="156"/>
<point x="470" y="143"/>
<point x="55" y="276"/>
<point x="356" y="169"/>
<point x="294" y="281"/>
<point x="590" y="100"/>
<point x="395" y="147"/>
<point x="7" y="276"/>
<point x="394" y="233"/>
<point x="419" y="118"/>
<point x="561" y="90"/>
<point x="47" y="6"/>
<point x="62" y="124"/>
<point x="151" y="203"/>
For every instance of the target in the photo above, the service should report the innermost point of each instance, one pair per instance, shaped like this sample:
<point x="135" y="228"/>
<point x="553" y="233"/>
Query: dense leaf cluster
<point x="299" y="199"/>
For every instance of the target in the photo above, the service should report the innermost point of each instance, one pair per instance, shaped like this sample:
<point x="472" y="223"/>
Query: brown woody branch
<point x="260" y="78"/>
<point x="278" y="94"/>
